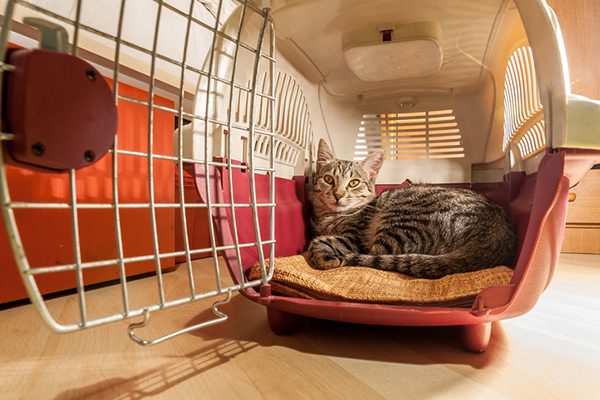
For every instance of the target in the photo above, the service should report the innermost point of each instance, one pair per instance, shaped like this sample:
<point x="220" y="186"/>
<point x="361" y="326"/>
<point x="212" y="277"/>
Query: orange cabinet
<point x="47" y="233"/>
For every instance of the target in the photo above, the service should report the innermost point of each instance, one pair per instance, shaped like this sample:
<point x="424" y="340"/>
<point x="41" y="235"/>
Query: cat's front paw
<point x="322" y="254"/>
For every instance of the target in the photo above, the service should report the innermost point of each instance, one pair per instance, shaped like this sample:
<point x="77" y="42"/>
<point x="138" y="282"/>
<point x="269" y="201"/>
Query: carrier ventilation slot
<point x="293" y="126"/>
<point x="415" y="135"/>
<point x="522" y="105"/>
<point x="533" y="142"/>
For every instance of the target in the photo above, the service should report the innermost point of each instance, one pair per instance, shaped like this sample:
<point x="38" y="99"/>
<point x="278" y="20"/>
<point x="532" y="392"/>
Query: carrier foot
<point x="283" y="323"/>
<point x="475" y="338"/>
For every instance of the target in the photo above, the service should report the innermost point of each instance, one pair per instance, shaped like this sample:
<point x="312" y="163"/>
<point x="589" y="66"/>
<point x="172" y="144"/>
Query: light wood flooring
<point x="553" y="352"/>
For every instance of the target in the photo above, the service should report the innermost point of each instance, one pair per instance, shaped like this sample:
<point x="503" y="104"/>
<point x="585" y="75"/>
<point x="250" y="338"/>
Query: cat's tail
<point x="419" y="265"/>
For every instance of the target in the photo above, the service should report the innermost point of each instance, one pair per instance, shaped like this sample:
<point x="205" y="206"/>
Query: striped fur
<point x="421" y="230"/>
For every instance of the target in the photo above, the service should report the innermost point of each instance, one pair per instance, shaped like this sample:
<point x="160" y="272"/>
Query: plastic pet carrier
<point x="141" y="136"/>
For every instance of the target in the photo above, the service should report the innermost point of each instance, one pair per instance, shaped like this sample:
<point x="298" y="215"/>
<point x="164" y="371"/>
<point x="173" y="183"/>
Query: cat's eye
<point x="328" y="179"/>
<point x="353" y="183"/>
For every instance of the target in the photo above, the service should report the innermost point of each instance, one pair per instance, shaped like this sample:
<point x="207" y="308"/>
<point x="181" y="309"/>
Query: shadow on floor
<point x="409" y="345"/>
<point x="155" y="381"/>
<point x="247" y="329"/>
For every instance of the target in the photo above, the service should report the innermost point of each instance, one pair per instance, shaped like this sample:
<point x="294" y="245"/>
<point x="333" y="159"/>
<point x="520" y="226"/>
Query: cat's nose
<point x="338" y="196"/>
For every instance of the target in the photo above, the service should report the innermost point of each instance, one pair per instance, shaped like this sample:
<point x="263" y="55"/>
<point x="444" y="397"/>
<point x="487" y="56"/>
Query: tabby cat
<point x="421" y="230"/>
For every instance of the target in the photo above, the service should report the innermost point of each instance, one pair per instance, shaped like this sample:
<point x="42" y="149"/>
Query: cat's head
<point x="340" y="185"/>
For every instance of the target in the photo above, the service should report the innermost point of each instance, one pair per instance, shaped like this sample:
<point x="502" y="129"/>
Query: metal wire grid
<point x="29" y="274"/>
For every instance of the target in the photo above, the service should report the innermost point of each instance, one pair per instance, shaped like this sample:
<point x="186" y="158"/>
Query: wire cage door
<point x="189" y="102"/>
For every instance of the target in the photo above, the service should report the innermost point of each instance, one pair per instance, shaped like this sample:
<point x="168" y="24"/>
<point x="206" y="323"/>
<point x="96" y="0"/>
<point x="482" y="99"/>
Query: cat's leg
<point x="328" y="252"/>
<point x="378" y="249"/>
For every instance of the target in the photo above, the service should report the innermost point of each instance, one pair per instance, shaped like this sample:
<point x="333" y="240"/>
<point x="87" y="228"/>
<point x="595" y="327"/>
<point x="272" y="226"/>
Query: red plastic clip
<point x="265" y="294"/>
<point x="479" y="308"/>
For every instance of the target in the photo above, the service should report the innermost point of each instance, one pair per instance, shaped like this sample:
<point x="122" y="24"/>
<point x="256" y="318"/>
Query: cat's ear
<point x="372" y="163"/>
<point x="324" y="154"/>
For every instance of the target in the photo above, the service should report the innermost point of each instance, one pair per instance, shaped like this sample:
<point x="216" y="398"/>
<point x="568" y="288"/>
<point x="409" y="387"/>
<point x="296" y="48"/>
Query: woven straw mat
<point x="294" y="277"/>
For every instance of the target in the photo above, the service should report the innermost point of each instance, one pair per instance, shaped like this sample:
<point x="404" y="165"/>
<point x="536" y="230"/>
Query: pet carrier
<point x="141" y="134"/>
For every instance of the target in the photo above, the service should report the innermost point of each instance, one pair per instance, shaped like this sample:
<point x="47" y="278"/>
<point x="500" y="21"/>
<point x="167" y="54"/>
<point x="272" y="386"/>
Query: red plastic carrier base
<point x="537" y="204"/>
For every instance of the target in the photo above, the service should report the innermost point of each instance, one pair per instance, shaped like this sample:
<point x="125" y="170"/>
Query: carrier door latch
<point x="386" y="30"/>
<point x="220" y="317"/>
<point x="53" y="37"/>
<point x="58" y="110"/>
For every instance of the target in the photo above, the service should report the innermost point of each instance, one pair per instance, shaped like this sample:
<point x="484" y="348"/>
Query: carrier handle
<point x="221" y="317"/>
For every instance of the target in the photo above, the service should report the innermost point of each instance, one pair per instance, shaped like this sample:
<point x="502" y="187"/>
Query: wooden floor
<point x="552" y="352"/>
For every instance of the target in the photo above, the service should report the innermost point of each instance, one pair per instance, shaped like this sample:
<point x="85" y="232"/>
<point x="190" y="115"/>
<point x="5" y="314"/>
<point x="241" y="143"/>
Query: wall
<point x="580" y="24"/>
